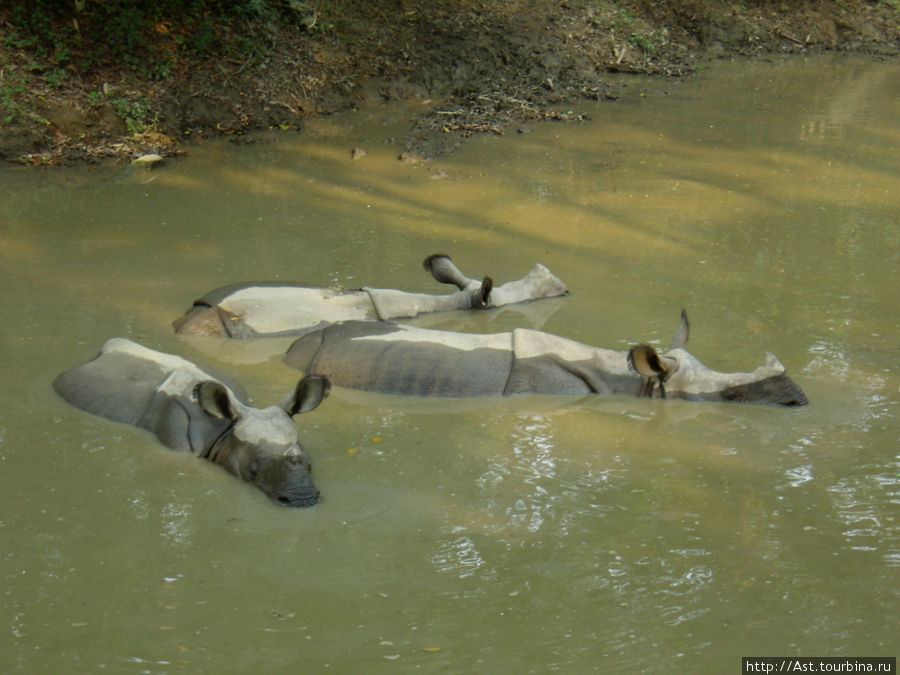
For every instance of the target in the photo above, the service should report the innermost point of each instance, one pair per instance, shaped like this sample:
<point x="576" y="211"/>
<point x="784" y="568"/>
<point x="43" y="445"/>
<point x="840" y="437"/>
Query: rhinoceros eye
<point x="254" y="468"/>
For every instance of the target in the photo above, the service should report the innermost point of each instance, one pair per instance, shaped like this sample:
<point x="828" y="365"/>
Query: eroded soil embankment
<point x="478" y="67"/>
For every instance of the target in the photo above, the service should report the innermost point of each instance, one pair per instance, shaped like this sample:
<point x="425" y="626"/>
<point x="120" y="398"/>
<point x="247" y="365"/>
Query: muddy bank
<point x="478" y="67"/>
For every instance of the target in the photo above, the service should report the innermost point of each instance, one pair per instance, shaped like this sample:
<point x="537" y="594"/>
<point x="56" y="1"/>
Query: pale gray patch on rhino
<point x="461" y="341"/>
<point x="530" y="344"/>
<point x="273" y="310"/>
<point x="550" y="364"/>
<point x="539" y="283"/>
<point x="267" y="426"/>
<point x="692" y="377"/>
<point x="390" y="304"/>
<point x="768" y="383"/>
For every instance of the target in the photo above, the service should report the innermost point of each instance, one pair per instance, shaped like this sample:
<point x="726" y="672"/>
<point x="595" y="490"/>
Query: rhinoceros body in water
<point x="273" y="308"/>
<point x="190" y="409"/>
<point x="413" y="361"/>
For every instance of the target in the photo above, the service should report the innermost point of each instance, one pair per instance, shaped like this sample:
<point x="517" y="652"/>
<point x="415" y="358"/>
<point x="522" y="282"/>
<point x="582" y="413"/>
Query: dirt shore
<point x="477" y="66"/>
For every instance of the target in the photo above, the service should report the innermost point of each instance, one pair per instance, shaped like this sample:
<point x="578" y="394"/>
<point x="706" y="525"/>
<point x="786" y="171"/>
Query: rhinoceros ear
<point x="310" y="392"/>
<point x="443" y="270"/>
<point x="644" y="360"/>
<point x="682" y="334"/>
<point x="214" y="399"/>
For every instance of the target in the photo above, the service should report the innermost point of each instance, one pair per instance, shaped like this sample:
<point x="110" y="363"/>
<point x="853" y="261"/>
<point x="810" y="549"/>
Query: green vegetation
<point x="646" y="41"/>
<point x="149" y="37"/>
<point x="12" y="88"/>
<point x="137" y="114"/>
<point x="627" y="27"/>
<point x="85" y="79"/>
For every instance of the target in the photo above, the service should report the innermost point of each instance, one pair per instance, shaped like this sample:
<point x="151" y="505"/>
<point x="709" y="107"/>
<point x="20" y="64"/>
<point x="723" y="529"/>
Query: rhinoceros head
<point x="260" y="446"/>
<point x="678" y="373"/>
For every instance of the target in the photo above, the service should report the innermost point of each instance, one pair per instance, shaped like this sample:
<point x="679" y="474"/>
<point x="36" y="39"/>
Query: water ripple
<point x="459" y="556"/>
<point x="800" y="475"/>
<point x="863" y="523"/>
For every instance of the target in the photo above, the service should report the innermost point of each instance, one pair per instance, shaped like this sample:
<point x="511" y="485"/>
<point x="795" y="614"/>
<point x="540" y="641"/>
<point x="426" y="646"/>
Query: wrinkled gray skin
<point x="278" y="309"/>
<point x="191" y="410"/>
<point x="411" y="361"/>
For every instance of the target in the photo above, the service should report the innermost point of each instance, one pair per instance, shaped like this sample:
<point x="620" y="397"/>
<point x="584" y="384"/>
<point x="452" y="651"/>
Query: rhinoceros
<point x="406" y="360"/>
<point x="191" y="409"/>
<point x="281" y="309"/>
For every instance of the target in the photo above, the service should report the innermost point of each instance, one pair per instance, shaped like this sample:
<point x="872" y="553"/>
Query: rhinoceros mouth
<point x="778" y="390"/>
<point x="301" y="500"/>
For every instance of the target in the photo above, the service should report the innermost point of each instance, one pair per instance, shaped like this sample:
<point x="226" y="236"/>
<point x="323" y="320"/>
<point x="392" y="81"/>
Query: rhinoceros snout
<point x="778" y="390"/>
<point x="309" y="497"/>
<point x="286" y="479"/>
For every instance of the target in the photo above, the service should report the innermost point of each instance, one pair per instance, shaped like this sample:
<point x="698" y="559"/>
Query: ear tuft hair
<point x="487" y="285"/>
<point x="213" y="398"/>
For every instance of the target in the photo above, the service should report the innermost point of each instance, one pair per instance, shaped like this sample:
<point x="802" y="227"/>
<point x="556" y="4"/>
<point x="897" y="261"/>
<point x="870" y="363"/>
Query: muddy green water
<point x="496" y="536"/>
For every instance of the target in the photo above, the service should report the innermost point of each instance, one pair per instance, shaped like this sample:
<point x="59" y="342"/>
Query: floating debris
<point x="147" y="161"/>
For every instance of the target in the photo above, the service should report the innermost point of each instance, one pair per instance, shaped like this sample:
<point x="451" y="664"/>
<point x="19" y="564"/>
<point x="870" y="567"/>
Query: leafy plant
<point x="646" y="42"/>
<point x="137" y="114"/>
<point x="149" y="37"/>
<point x="12" y="87"/>
<point x="55" y="77"/>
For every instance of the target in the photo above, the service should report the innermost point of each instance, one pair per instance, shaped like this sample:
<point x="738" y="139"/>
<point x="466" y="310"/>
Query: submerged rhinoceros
<point x="273" y="308"/>
<point x="190" y="409"/>
<point x="413" y="361"/>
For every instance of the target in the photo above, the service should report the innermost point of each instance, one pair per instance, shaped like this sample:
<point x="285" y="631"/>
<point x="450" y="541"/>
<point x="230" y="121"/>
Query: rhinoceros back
<point x="420" y="362"/>
<point x="135" y="385"/>
<point x="403" y="360"/>
<point x="116" y="385"/>
<point x="550" y="364"/>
